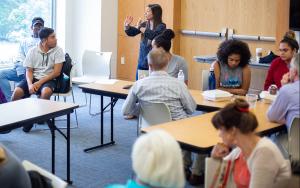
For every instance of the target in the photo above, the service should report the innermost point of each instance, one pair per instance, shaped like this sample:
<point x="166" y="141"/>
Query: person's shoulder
<point x="265" y="145"/>
<point x="162" y="24"/>
<point x="178" y="57"/>
<point x="58" y="49"/>
<point x="277" y="61"/>
<point x="286" y="88"/>
<point x="32" y="51"/>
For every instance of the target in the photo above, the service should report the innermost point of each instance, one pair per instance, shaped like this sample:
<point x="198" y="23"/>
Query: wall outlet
<point x="122" y="60"/>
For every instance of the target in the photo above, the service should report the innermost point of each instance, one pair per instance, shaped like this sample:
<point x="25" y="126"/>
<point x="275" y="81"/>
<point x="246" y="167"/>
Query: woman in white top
<point x="176" y="62"/>
<point x="257" y="161"/>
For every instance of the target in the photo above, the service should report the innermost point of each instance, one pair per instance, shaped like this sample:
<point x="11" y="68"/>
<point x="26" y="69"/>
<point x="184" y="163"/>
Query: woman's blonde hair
<point x="157" y="160"/>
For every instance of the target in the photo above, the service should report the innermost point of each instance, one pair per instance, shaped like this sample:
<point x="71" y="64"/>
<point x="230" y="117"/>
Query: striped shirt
<point x="159" y="87"/>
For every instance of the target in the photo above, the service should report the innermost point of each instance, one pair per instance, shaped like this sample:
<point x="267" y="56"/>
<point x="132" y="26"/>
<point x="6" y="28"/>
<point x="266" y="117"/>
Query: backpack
<point x="2" y="97"/>
<point x="63" y="80"/>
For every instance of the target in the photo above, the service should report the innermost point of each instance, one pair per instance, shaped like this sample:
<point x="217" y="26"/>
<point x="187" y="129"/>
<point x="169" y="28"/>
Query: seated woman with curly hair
<point x="232" y="71"/>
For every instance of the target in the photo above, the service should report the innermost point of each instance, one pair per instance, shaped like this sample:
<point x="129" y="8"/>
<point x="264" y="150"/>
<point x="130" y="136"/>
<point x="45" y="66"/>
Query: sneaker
<point x="27" y="128"/>
<point x="196" y="180"/>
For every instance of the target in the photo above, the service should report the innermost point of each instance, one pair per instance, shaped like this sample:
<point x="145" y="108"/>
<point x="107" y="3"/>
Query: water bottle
<point x="180" y="76"/>
<point x="211" y="79"/>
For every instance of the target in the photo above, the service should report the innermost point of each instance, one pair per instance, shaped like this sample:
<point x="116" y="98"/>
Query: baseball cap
<point x="37" y="20"/>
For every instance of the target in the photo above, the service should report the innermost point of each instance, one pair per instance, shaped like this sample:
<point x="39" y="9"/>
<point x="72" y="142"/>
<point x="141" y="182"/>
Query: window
<point x="15" y="22"/>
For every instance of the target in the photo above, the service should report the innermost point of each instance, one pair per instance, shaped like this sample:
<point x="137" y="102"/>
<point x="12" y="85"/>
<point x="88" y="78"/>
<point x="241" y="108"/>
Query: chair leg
<point x="90" y="108"/>
<point x="75" y="109"/>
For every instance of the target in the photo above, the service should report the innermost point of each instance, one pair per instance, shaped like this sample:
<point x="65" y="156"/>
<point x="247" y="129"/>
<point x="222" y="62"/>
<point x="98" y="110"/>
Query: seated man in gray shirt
<point x="163" y="88"/>
<point x="160" y="87"/>
<point x="43" y="64"/>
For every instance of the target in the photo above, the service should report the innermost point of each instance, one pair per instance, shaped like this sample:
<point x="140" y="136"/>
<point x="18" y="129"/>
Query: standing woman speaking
<point x="149" y="29"/>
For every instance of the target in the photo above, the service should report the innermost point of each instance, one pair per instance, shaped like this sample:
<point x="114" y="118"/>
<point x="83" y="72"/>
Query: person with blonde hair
<point x="156" y="161"/>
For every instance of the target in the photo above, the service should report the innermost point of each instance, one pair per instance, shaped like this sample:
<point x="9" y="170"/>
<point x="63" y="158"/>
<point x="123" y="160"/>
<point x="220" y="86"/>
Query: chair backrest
<point x="96" y="63"/>
<point x="205" y="75"/>
<point x="56" y="182"/>
<point x="294" y="144"/>
<point x="153" y="113"/>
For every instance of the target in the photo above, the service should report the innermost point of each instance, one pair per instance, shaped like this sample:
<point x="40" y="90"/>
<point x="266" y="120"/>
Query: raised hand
<point x="128" y="21"/>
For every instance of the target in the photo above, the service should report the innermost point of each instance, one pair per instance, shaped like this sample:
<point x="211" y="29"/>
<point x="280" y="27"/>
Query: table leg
<point x="102" y="144"/>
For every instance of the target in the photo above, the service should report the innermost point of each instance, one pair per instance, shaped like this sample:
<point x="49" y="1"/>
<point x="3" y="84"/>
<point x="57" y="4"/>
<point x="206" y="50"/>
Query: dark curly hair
<point x="233" y="46"/>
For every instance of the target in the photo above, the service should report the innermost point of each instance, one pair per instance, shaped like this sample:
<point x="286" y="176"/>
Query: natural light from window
<point x="15" y="22"/>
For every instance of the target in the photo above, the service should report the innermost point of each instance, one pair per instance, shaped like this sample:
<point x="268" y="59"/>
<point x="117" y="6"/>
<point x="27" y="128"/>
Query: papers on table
<point x="216" y="95"/>
<point x="106" y="81"/>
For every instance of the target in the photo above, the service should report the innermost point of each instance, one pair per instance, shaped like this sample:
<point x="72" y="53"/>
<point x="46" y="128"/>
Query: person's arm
<point x="217" y="72"/>
<point x="269" y="79"/>
<point x="151" y="34"/>
<point x="263" y="170"/>
<point x="130" y="106"/>
<point x="187" y="101"/>
<point x="130" y="30"/>
<point x="29" y="72"/>
<point x="245" y="83"/>
<point x="29" y="79"/>
<point x="278" y="109"/>
<point x="55" y="73"/>
<point x="21" y="54"/>
<point x="236" y="91"/>
<point x="184" y="67"/>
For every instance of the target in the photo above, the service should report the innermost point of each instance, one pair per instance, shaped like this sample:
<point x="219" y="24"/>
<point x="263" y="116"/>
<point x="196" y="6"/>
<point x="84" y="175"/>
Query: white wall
<point x="109" y="31"/>
<point x="89" y="25"/>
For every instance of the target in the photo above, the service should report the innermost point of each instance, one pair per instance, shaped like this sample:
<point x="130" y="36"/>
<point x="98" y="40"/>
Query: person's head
<point x="233" y="120"/>
<point x="295" y="68"/>
<point x="157" y="59"/>
<point x="288" y="46"/>
<point x="234" y="53"/>
<point x="164" y="40"/>
<point x="157" y="160"/>
<point x="48" y="37"/>
<point x="36" y="24"/>
<point x="154" y="13"/>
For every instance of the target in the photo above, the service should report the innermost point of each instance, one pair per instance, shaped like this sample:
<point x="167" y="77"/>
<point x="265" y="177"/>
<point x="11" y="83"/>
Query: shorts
<point x="24" y="86"/>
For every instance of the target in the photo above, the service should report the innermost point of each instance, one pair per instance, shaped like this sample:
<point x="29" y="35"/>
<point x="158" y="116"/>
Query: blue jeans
<point x="7" y="75"/>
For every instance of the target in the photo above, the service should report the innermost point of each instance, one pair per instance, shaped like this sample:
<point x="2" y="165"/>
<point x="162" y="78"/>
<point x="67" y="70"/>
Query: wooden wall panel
<point x="255" y="17"/>
<point x="128" y="47"/>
